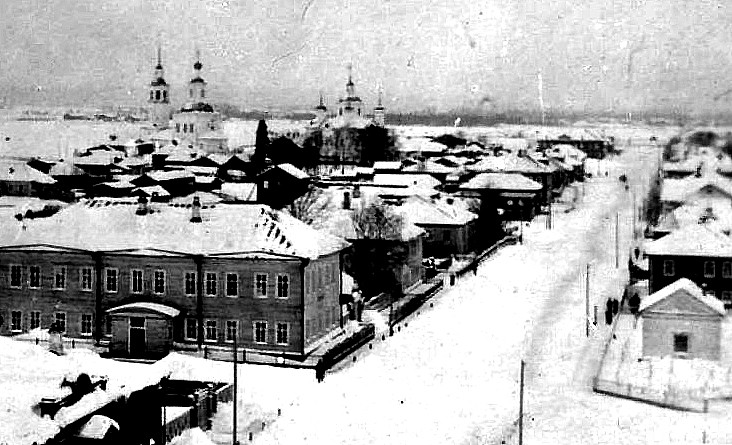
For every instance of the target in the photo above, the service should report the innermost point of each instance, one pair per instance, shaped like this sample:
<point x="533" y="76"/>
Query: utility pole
<point x="521" y="406"/>
<point x="587" y="301"/>
<point x="233" y="429"/>
<point x="617" y="218"/>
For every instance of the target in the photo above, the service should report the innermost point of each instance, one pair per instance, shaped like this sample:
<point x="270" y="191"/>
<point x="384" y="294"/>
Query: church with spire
<point x="196" y="125"/>
<point x="351" y="111"/>
<point x="159" y="101"/>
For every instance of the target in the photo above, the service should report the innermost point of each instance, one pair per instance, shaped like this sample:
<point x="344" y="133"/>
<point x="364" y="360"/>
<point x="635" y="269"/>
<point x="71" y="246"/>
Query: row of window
<point x="710" y="269"/>
<point x="157" y="95"/>
<point x="111" y="280"/>
<point x="187" y="128"/>
<point x="16" y="321"/>
<point x="259" y="331"/>
<point x="259" y="328"/>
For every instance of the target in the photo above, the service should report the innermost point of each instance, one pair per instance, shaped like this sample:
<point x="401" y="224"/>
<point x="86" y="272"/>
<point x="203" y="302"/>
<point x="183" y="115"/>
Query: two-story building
<point x="695" y="252"/>
<point x="150" y="277"/>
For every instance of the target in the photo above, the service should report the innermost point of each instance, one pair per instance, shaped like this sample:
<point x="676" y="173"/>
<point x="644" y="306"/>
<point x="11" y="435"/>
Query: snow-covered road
<point x="451" y="375"/>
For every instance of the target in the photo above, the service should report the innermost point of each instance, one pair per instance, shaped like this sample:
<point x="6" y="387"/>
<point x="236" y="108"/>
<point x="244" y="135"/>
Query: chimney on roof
<point x="141" y="206"/>
<point x="196" y="210"/>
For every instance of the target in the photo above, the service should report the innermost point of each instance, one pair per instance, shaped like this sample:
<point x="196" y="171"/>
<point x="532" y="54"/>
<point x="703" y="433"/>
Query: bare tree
<point x="310" y="205"/>
<point x="377" y="221"/>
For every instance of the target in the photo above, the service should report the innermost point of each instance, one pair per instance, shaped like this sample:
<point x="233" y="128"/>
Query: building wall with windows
<point x="713" y="275"/>
<point x="41" y="284"/>
<point x="261" y="300"/>
<point x="682" y="335"/>
<point x="321" y="297"/>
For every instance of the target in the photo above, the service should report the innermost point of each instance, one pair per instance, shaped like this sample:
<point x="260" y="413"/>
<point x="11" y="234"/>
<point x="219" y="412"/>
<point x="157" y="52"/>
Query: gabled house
<point x="695" y="252"/>
<point x="512" y="194"/>
<point x="711" y="191"/>
<point x="521" y="164"/>
<point x="17" y="178"/>
<point x="281" y="185"/>
<point x="176" y="182"/>
<point x="450" y="228"/>
<point x="681" y="320"/>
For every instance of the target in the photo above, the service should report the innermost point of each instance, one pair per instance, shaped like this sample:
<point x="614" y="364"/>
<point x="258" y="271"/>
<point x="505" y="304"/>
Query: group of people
<point x="612" y="309"/>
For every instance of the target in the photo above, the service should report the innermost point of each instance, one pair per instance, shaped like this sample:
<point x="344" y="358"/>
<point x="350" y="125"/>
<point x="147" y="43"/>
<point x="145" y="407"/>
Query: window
<point x="15" y="275"/>
<point x="265" y="184"/>
<point x="282" y="333"/>
<point x="190" y="128"/>
<point x="185" y="128"/>
<point x="61" y="320"/>
<point x="86" y="278"/>
<point x="727" y="296"/>
<point x="86" y="324"/>
<point x="710" y="293"/>
<point x="16" y="321"/>
<point x="151" y="95"/>
<point x="190" y="283"/>
<point x="211" y="334"/>
<point x="191" y="328"/>
<point x="260" y="283"/>
<point x="727" y="269"/>
<point x="709" y="269"/>
<point x="59" y="278"/>
<point x="136" y="279"/>
<point x="232" y="285"/>
<point x="260" y="331"/>
<point x="231" y="330"/>
<point x="177" y="127"/>
<point x="35" y="320"/>
<point x="157" y="94"/>
<point x="668" y="268"/>
<point x="283" y="286"/>
<point x="190" y="93"/>
<point x="211" y="284"/>
<point x="159" y="282"/>
<point x="681" y="343"/>
<point x="111" y="280"/>
<point x="108" y="325"/>
<point x="34" y="277"/>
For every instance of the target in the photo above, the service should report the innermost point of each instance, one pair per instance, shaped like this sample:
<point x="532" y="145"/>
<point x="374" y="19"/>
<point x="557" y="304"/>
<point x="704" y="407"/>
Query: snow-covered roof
<point x="63" y="168"/>
<point x="420" y="144"/>
<point x="418" y="180"/>
<point x="153" y="190"/>
<point x="241" y="191"/>
<point x="690" y="288"/>
<point x="693" y="240"/>
<point x="192" y="436"/>
<point x="293" y="171"/>
<point x="501" y="181"/>
<point x="429" y="167"/>
<point x="249" y="230"/>
<point x="205" y="198"/>
<point x="688" y="166"/>
<point x="509" y="164"/>
<point x="133" y="161"/>
<point x="387" y="165"/>
<point x="423" y="211"/>
<point x="97" y="427"/>
<point x="159" y="175"/>
<point x="339" y="222"/>
<point x="678" y="190"/>
<point x="145" y="306"/>
<point x="14" y="170"/>
<point x="717" y="218"/>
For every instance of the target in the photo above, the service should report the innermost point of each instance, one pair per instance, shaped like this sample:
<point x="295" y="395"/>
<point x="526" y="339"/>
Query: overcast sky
<point x="425" y="54"/>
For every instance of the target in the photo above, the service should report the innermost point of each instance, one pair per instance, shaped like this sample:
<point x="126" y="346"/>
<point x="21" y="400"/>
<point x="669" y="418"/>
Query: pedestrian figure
<point x="608" y="317"/>
<point x="319" y="371"/>
<point x="616" y="306"/>
<point x="634" y="304"/>
<point x="609" y="305"/>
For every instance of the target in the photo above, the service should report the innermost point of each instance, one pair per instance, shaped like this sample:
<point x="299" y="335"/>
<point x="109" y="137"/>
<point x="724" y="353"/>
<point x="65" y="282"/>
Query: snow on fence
<point x="688" y="400"/>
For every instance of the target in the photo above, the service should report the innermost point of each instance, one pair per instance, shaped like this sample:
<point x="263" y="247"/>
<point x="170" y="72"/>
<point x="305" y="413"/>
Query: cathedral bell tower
<point x="159" y="99"/>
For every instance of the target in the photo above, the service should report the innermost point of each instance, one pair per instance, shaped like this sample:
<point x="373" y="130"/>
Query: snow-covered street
<point x="450" y="375"/>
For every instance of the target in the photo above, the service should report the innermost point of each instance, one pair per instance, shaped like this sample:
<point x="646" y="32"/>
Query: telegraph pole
<point x="521" y="406"/>
<point x="587" y="301"/>
<point x="617" y="218"/>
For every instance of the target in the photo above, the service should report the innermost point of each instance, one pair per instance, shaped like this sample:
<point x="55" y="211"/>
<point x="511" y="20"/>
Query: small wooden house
<point x="682" y="321"/>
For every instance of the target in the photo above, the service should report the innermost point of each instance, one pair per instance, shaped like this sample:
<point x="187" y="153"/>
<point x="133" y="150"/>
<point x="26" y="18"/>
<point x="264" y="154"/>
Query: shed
<point x="142" y="329"/>
<point x="680" y="320"/>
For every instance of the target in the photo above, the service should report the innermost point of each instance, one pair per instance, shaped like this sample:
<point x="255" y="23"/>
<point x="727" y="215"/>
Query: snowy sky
<point x="438" y="54"/>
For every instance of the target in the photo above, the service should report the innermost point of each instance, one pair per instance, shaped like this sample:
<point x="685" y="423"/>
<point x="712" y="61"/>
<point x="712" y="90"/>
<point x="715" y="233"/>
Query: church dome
<point x="197" y="79"/>
<point x="158" y="82"/>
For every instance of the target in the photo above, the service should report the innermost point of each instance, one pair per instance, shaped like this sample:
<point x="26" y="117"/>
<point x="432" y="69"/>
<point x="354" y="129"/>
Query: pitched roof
<point x="15" y="170"/>
<point x="509" y="164"/>
<point x="293" y="171"/>
<point x="387" y="165"/>
<point x="691" y="289"/>
<point x="679" y="190"/>
<point x="418" y="180"/>
<point x="246" y="230"/>
<point x="423" y="211"/>
<point x="501" y="181"/>
<point x="693" y="240"/>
